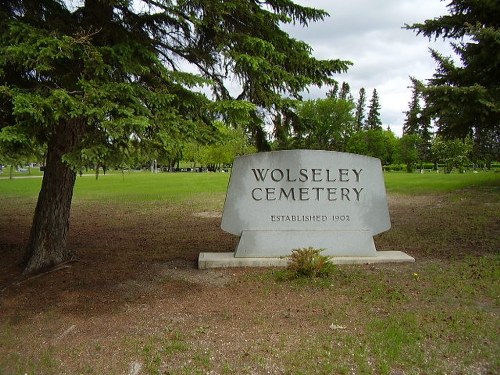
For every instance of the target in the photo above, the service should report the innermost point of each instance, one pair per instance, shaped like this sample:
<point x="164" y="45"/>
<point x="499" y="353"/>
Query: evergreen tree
<point x="373" y="120"/>
<point x="285" y="124"/>
<point x="418" y="122"/>
<point x="466" y="96"/>
<point x="486" y="146"/>
<point x="360" y="109"/>
<point x="426" y="135"/>
<point x="106" y="75"/>
<point x="414" y="113"/>
<point x="345" y="92"/>
<point x="334" y="91"/>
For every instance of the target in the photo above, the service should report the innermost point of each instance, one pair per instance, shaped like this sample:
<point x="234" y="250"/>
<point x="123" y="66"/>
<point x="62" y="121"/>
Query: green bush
<point x="308" y="262"/>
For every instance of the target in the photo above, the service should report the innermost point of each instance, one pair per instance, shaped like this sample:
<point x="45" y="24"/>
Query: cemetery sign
<point x="279" y="201"/>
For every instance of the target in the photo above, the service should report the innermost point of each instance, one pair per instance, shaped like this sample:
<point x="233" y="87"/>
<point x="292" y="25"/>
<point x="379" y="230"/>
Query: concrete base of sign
<point x="278" y="243"/>
<point x="228" y="260"/>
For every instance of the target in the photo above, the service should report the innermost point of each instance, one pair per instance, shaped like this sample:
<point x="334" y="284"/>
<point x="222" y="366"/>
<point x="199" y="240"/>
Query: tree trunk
<point x="47" y="243"/>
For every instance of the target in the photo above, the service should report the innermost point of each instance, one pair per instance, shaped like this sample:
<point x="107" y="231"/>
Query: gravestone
<point x="280" y="201"/>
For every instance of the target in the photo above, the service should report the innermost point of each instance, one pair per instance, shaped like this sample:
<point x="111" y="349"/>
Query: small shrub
<point x="308" y="262"/>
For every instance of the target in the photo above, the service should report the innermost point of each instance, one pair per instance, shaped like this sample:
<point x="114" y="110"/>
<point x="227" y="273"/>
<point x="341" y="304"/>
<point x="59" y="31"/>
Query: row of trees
<point x="461" y="103"/>
<point x="480" y="145"/>
<point x="338" y="123"/>
<point x="328" y="123"/>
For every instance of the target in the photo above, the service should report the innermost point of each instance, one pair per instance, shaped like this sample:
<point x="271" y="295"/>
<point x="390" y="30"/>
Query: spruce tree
<point x="360" y="109"/>
<point x="345" y="92"/>
<point x="108" y="75"/>
<point x="414" y="113"/>
<point x="465" y="97"/>
<point x="418" y="122"/>
<point x="373" y="120"/>
<point x="426" y="135"/>
<point x="334" y="91"/>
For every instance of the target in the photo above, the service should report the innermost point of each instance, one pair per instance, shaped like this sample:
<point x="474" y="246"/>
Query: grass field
<point x="137" y="186"/>
<point x="431" y="182"/>
<point x="134" y="302"/>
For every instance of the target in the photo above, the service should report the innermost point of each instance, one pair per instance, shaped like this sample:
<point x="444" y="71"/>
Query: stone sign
<point x="279" y="201"/>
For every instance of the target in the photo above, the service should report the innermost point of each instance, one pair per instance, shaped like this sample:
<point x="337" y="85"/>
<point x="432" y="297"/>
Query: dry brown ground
<point x="135" y="280"/>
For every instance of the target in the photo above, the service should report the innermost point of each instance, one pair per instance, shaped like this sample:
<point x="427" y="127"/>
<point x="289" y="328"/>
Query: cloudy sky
<point x="369" y="33"/>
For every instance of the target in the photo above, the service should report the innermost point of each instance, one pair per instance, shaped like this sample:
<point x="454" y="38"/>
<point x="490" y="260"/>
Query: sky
<point x="370" y="34"/>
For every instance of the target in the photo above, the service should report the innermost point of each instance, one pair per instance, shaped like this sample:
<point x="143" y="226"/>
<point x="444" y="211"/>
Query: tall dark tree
<point x="345" y="92"/>
<point x="360" y="109"/>
<point x="334" y="91"/>
<point x="465" y="96"/>
<point x="109" y="73"/>
<point x="426" y="135"/>
<point x="418" y="122"/>
<point x="285" y="124"/>
<point x="340" y="92"/>
<point x="373" y="120"/>
<point x="486" y="146"/>
<point x="414" y="113"/>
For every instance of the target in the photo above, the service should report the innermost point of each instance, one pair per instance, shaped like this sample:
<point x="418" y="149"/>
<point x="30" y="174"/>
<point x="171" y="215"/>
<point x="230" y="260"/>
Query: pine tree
<point x="486" y="146"/>
<point x="360" y="109"/>
<point x="414" y="113"/>
<point x="466" y="96"/>
<point x="426" y="134"/>
<point x="108" y="76"/>
<point x="334" y="91"/>
<point x="373" y="120"/>
<point x="418" y="122"/>
<point x="345" y="92"/>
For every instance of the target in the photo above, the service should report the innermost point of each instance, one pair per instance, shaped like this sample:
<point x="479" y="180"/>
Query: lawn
<point x="138" y="186"/>
<point x="432" y="182"/>
<point x="134" y="302"/>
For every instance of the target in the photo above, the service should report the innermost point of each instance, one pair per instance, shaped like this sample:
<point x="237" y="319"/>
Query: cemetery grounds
<point x="133" y="301"/>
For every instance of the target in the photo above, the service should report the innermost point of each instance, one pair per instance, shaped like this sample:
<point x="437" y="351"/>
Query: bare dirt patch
<point x="134" y="302"/>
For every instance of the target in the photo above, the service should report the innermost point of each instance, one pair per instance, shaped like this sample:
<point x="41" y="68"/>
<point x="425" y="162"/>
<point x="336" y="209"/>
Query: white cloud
<point x="370" y="33"/>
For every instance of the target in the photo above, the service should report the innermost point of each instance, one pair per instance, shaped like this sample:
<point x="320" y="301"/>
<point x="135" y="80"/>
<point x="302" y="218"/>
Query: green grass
<point x="130" y="186"/>
<point x="144" y="186"/>
<point x="20" y="188"/>
<point x="444" y="320"/>
<point x="431" y="182"/>
<point x="178" y="187"/>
